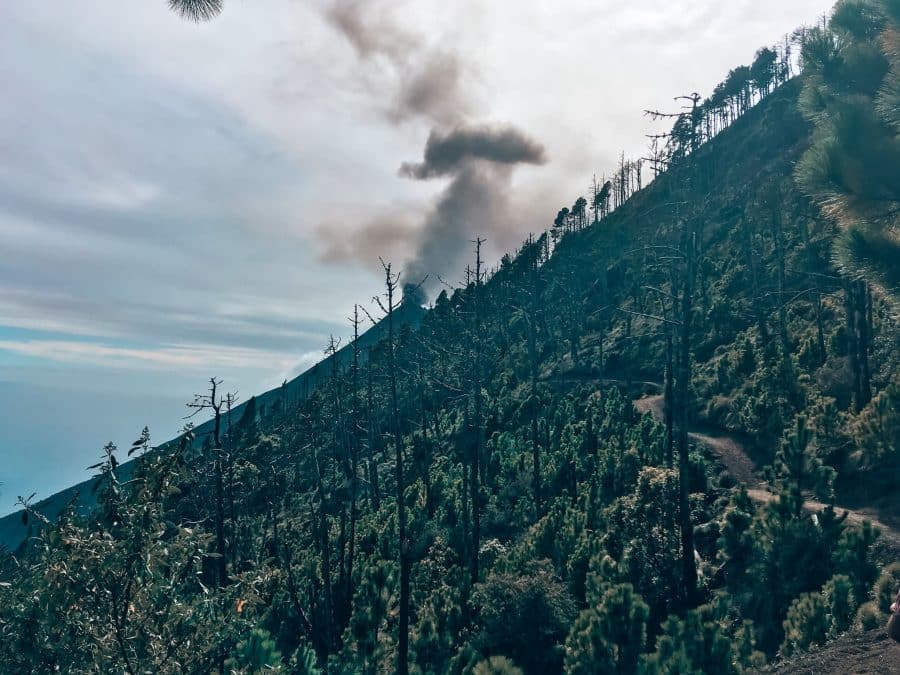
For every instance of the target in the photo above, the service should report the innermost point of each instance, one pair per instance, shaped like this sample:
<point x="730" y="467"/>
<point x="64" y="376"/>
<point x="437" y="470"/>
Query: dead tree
<point x="690" y="118"/>
<point x="530" y="313"/>
<point x="477" y="422"/>
<point x="387" y="305"/>
<point x="682" y="398"/>
<point x="342" y="454"/>
<point x="858" y="306"/>
<point x="324" y="541"/>
<point x="811" y="267"/>
<point x="215" y="402"/>
<point x="371" y="437"/>
<point x="354" y="459"/>
<point x="678" y="369"/>
<point x="230" y="402"/>
<point x="781" y="265"/>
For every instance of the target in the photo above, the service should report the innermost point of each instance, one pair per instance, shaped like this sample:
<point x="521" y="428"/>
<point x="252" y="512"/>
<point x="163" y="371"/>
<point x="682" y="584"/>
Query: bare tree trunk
<point x="405" y="562"/>
<point x="758" y="309"/>
<point x="221" y="572"/>
<point x="354" y="464"/>
<point x="668" y="402"/>
<point x="782" y="290"/>
<point x="853" y="350"/>
<point x="229" y="484"/>
<point x="214" y="402"/>
<point x="325" y="553"/>
<point x="535" y="443"/>
<point x="478" y="426"/>
<point x="689" y="566"/>
<point x="865" y="340"/>
<point x="374" y="491"/>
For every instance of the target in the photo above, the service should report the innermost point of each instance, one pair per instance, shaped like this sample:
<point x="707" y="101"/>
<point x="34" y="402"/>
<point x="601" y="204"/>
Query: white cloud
<point x="199" y="358"/>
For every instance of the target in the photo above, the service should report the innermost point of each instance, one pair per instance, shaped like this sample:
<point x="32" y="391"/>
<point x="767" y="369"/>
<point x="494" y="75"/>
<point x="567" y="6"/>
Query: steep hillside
<point x="481" y="494"/>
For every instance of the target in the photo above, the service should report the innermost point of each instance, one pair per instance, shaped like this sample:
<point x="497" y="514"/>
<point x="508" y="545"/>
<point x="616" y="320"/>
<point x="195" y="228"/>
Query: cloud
<point x="195" y="357"/>
<point x="302" y="364"/>
<point x="239" y="322"/>
<point x="135" y="209"/>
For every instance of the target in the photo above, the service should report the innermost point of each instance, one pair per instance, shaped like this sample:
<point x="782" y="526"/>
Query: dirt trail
<point x="739" y="465"/>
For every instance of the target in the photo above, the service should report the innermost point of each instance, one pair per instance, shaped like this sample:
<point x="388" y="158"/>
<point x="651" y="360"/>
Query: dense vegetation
<point x="479" y="494"/>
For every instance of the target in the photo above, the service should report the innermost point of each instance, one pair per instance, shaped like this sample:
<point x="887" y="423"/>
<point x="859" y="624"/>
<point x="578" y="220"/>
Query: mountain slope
<point x="486" y="480"/>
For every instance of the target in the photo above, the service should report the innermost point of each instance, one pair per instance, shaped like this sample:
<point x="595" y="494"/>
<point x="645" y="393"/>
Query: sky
<point x="183" y="200"/>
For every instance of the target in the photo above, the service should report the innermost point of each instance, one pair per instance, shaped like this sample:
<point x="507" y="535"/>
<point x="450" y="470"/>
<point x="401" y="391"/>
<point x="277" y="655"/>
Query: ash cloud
<point x="446" y="152"/>
<point x="393" y="231"/>
<point x="433" y="85"/>
<point x="433" y="89"/>
<point x="481" y="161"/>
<point x="428" y="83"/>
<point x="370" y="32"/>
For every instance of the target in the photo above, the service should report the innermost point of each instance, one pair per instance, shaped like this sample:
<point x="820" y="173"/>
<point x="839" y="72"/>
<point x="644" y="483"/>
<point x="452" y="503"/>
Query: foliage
<point x="852" y="167"/>
<point x="483" y="464"/>
<point x="523" y="615"/>
<point x="496" y="665"/>
<point x="695" y="644"/>
<point x="814" y="618"/>
<point x="610" y="636"/>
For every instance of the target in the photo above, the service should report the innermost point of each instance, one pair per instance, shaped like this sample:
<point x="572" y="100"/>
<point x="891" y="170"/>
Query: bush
<point x="610" y="637"/>
<point x="256" y="654"/>
<point x="497" y="665"/>
<point x="840" y="604"/>
<point x="869" y="617"/>
<point x="699" y="644"/>
<point x="814" y="618"/>
<point x="806" y="624"/>
<point x="885" y="589"/>
<point x="526" y="615"/>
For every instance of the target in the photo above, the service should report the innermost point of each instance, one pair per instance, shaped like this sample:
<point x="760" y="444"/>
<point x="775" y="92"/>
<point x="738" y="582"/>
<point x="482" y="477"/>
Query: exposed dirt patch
<point x="732" y="454"/>
<point x="854" y="653"/>
<point x="651" y="404"/>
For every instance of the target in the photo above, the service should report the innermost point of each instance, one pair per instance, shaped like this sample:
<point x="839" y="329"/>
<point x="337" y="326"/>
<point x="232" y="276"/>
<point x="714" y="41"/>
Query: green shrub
<point x="885" y="589"/>
<point x="497" y="665"/>
<point x="610" y="637"/>
<point x="806" y="624"/>
<point x="868" y="616"/>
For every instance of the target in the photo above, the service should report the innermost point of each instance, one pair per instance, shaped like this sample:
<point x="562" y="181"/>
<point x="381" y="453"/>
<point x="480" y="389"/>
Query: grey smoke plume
<point x="446" y="152"/>
<point x="340" y="243"/>
<point x="430" y="84"/>
<point x="370" y="30"/>
<point x="433" y="89"/>
<point x="481" y="161"/>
